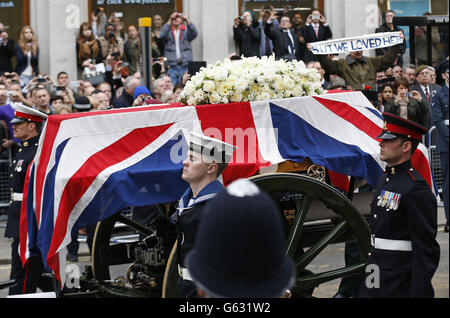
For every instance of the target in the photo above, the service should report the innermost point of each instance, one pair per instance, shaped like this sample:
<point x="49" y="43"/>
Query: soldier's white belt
<point x="391" y="245"/>
<point x="17" y="196"/>
<point x="184" y="273"/>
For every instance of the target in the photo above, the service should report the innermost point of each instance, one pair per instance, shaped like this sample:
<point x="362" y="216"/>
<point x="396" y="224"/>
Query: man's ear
<point x="407" y="146"/>
<point x="213" y="167"/>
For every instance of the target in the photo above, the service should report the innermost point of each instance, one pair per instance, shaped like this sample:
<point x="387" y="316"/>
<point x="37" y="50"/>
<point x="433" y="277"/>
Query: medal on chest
<point x="18" y="167"/>
<point x="389" y="200"/>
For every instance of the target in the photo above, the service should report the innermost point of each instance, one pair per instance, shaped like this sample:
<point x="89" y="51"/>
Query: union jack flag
<point x="89" y="166"/>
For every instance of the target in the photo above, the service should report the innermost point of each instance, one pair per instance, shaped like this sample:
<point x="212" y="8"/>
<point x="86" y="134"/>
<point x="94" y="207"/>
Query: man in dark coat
<point x="316" y="29"/>
<point x="205" y="162"/>
<point x="247" y="34"/>
<point x="404" y="254"/>
<point x="7" y="51"/>
<point x="285" y="44"/>
<point x="27" y="125"/>
<point x="389" y="26"/>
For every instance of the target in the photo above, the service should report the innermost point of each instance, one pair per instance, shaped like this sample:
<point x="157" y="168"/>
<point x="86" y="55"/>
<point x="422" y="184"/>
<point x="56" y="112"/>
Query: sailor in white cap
<point x="206" y="160"/>
<point x="27" y="126"/>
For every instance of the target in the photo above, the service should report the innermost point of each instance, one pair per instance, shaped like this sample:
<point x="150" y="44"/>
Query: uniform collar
<point x="31" y="142"/>
<point x="208" y="192"/>
<point x="398" y="168"/>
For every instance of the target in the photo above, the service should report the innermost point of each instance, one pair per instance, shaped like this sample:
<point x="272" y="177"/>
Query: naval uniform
<point x="404" y="227"/>
<point x="187" y="218"/>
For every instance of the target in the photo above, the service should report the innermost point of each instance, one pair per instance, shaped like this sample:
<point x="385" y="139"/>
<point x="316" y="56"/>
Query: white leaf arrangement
<point x="250" y="79"/>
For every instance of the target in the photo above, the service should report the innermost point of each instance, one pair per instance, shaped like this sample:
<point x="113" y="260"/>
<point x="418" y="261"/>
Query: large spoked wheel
<point x="105" y="255"/>
<point x="315" y="215"/>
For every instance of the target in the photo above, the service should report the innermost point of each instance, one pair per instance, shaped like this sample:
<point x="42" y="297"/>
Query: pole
<point x="145" y="30"/>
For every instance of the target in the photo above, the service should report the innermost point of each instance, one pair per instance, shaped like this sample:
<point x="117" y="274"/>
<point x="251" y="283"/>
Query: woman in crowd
<point x="27" y="54"/>
<point x="386" y="94"/>
<point x="158" y="22"/>
<point x="88" y="49"/>
<point x="409" y="105"/>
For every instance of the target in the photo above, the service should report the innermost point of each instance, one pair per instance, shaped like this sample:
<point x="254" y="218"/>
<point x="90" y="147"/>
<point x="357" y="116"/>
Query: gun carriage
<point x="314" y="213"/>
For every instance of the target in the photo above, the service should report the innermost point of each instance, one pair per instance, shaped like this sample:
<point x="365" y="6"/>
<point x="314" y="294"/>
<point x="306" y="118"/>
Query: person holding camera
<point x="285" y="44"/>
<point x="177" y="35"/>
<point x="27" y="54"/>
<point x="247" y="34"/>
<point x="88" y="49"/>
<point x="408" y="105"/>
<point x="316" y="29"/>
<point x="110" y="43"/>
<point x="389" y="26"/>
<point x="7" y="50"/>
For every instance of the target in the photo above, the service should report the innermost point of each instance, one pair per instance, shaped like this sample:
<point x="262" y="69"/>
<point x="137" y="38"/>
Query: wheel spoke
<point x="302" y="207"/>
<point x="314" y="250"/>
<point x="310" y="281"/>
<point x="138" y="227"/>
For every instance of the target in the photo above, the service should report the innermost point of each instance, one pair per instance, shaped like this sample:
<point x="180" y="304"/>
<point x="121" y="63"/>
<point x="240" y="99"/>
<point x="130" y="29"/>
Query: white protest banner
<point x="357" y="43"/>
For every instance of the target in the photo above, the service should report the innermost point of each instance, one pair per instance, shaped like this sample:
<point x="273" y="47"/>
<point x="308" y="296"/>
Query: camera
<point x="179" y="15"/>
<point x="111" y="34"/>
<point x="316" y="16"/>
<point x="41" y="80"/>
<point x="408" y="94"/>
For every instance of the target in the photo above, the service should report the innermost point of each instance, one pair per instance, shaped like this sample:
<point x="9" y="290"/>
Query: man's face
<point x="106" y="89"/>
<point x="194" y="168"/>
<point x="63" y="80"/>
<point x="357" y="55"/>
<point x="285" y="23"/>
<point x="319" y="69"/>
<point x="57" y="102"/>
<point x="410" y="75"/>
<point x="297" y="19"/>
<point x="432" y="76"/>
<point x="3" y="94"/>
<point x="247" y="16"/>
<point x="397" y="72"/>
<point x="392" y="151"/>
<point x="23" y="130"/>
<point x="315" y="16"/>
<point x="423" y="78"/>
<point x="103" y="101"/>
<point x="42" y="98"/>
<point x="168" y="83"/>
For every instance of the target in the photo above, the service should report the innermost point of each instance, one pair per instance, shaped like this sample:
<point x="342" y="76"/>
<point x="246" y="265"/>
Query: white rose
<point x="189" y="88"/>
<point x="209" y="86"/>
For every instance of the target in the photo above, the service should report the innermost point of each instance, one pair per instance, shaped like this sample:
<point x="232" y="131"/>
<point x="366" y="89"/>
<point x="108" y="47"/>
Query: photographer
<point x="110" y="43"/>
<point x="7" y="51"/>
<point x="247" y="34"/>
<point x="88" y="49"/>
<point x="316" y="29"/>
<point x="27" y="54"/>
<point x="177" y="35"/>
<point x="409" y="105"/>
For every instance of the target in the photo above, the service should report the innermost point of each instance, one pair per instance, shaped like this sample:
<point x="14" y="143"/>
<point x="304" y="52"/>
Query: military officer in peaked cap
<point x="404" y="254"/>
<point x="27" y="125"/>
<point x="207" y="158"/>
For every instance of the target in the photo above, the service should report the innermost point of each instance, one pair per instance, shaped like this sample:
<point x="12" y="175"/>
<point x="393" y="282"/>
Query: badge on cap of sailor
<point x="219" y="151"/>
<point x="395" y="126"/>
<point x="24" y="113"/>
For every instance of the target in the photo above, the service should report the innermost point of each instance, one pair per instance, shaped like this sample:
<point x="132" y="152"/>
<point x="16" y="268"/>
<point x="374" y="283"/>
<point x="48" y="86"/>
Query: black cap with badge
<point x="395" y="126"/>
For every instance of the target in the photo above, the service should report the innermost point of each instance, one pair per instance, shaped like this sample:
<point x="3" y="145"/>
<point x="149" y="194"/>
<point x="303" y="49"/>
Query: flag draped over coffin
<point x="89" y="166"/>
